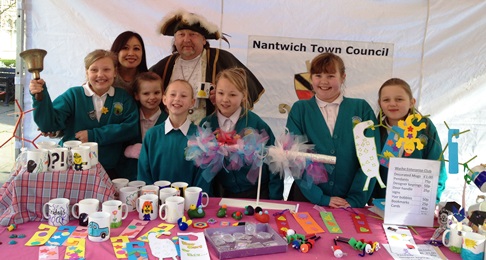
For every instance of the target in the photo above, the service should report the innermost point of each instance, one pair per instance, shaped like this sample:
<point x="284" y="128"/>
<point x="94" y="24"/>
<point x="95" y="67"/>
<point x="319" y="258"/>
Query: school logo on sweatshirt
<point x="117" y="108"/>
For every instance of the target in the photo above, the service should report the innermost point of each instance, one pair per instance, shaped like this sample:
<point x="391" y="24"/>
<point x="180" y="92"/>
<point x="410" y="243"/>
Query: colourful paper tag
<point x="132" y="230"/>
<point x="75" y="248"/>
<point x="161" y="229"/>
<point x="48" y="252"/>
<point x="330" y="222"/>
<point x="119" y="246"/>
<point x="360" y="223"/>
<point x="136" y="251"/>
<point x="80" y="232"/>
<point x="282" y="224"/>
<point x="306" y="221"/>
<point x="61" y="235"/>
<point x="42" y="236"/>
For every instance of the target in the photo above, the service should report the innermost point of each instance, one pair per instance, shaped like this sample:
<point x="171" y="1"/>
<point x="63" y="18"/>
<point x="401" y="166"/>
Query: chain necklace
<point x="193" y="69"/>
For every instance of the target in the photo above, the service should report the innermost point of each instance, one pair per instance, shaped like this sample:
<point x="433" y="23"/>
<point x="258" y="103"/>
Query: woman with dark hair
<point x="130" y="51"/>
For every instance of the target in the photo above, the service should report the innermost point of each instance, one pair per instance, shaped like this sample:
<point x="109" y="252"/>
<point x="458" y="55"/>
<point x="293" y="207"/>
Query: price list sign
<point x="411" y="192"/>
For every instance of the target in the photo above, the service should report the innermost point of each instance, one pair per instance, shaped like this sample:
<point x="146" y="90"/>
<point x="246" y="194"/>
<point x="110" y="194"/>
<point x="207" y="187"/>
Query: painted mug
<point x="56" y="211"/>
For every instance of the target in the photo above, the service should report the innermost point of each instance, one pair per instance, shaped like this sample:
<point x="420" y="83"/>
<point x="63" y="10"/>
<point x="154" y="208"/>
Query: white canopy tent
<point x="439" y="47"/>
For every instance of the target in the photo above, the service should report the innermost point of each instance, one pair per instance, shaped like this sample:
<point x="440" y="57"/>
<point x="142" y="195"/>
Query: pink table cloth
<point x="321" y="250"/>
<point x="24" y="194"/>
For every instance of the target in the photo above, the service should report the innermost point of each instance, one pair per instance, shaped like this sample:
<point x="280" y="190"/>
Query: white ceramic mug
<point x="149" y="189"/>
<point x="46" y="145"/>
<point x="452" y="238"/>
<point x="129" y="195"/>
<point x="80" y="158"/>
<point x="119" y="183"/>
<point x="162" y="184"/>
<point x="59" y="159"/>
<point x="173" y="209"/>
<point x="87" y="206"/>
<point x="99" y="227"/>
<point x="194" y="195"/>
<point x="472" y="246"/>
<point x="117" y="210"/>
<point x="70" y="145"/>
<point x="137" y="184"/>
<point x="147" y="206"/>
<point x="37" y="160"/>
<point x="165" y="193"/>
<point x="56" y="211"/>
<point x="180" y="187"/>
<point x="93" y="152"/>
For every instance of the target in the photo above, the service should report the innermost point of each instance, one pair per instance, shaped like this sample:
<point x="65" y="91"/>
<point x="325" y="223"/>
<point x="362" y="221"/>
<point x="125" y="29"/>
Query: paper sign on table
<point x="61" y="235"/>
<point x="411" y="192"/>
<point x="119" y="246"/>
<point x="400" y="240"/>
<point x="193" y="248"/>
<point x="306" y="221"/>
<point x="42" y="236"/>
<point x="48" y="252"/>
<point x="132" y="230"/>
<point x="75" y="248"/>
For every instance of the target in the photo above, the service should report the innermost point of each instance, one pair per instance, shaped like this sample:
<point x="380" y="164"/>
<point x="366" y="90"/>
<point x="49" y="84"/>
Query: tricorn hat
<point x="182" y="19"/>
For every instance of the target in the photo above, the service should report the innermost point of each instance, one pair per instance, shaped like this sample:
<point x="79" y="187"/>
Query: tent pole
<point x="19" y="68"/>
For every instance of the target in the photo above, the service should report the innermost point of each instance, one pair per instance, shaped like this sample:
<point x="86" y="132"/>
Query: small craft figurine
<point x="83" y="219"/>
<point x="249" y="210"/>
<point x="262" y="216"/>
<point x="194" y="212"/>
<point x="12" y="227"/>
<point x="222" y="211"/>
<point x="184" y="223"/>
<point x="237" y="215"/>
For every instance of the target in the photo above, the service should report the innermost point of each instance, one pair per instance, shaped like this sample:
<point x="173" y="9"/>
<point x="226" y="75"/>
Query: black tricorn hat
<point x="182" y="19"/>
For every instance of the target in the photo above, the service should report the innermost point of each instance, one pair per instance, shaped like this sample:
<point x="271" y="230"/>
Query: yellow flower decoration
<point x="104" y="110"/>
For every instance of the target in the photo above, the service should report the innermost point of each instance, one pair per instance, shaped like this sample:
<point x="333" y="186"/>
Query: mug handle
<point x="74" y="211"/>
<point x="162" y="209"/>
<point x="44" y="210"/>
<point x="207" y="199"/>
<point x="124" y="216"/>
<point x="444" y="236"/>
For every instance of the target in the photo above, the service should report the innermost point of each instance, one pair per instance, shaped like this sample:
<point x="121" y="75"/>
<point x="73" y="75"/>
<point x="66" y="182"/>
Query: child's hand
<point x="35" y="86"/>
<point x="133" y="151"/>
<point x="82" y="136"/>
<point x="337" y="202"/>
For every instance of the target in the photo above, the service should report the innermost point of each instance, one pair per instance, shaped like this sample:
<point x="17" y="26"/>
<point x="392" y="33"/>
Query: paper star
<point x="104" y="110"/>
<point x="390" y="142"/>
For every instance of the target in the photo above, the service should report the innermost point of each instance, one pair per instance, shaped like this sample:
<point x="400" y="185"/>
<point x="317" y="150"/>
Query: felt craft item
<point x="119" y="246"/>
<point x="366" y="153"/>
<point x="360" y="223"/>
<point x="161" y="229"/>
<point x="62" y="233"/>
<point x="307" y="223"/>
<point x="42" y="236"/>
<point x="136" y="251"/>
<point x="330" y="222"/>
<point x="282" y="224"/>
<point x="390" y="148"/>
<point x="79" y="232"/>
<point x="132" y="230"/>
<point x="48" y="252"/>
<point x="75" y="248"/>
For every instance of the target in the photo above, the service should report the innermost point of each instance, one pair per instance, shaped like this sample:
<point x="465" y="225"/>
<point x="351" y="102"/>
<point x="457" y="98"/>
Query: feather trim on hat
<point x="171" y="21"/>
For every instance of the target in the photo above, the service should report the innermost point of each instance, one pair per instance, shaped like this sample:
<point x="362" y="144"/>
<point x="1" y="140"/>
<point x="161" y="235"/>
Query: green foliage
<point x="8" y="63"/>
